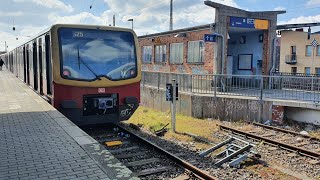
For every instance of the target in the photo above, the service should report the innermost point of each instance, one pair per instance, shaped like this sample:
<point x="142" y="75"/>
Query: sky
<point x="30" y="17"/>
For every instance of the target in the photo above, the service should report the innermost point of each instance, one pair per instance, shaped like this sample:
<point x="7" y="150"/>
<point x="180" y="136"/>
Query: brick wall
<point x="201" y="68"/>
<point x="278" y="113"/>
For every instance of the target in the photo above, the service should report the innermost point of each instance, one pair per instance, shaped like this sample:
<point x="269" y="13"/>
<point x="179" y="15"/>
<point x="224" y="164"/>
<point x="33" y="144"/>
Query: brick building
<point x="247" y="47"/>
<point x="180" y="51"/>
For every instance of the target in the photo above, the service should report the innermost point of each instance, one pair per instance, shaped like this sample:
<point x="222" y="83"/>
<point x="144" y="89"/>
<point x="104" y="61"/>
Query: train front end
<point x="96" y="73"/>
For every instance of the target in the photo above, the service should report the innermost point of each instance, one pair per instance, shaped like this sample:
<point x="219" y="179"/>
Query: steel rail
<point x="284" y="145"/>
<point x="179" y="161"/>
<point x="286" y="131"/>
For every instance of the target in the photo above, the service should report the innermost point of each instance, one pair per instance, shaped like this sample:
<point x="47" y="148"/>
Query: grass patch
<point x="315" y="134"/>
<point x="153" y="120"/>
<point x="156" y="127"/>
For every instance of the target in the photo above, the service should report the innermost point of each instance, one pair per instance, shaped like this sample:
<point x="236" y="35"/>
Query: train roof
<point x="74" y="26"/>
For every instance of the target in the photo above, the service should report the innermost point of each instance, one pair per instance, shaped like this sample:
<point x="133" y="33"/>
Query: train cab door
<point x="24" y="65"/>
<point x="35" y="67"/>
<point x="40" y="66"/>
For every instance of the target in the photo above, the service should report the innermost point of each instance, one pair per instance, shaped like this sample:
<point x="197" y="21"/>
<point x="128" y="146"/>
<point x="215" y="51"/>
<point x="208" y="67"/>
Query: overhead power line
<point x="147" y="6"/>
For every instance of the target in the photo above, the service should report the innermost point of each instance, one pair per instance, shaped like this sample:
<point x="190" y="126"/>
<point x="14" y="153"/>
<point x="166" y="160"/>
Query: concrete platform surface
<point x="38" y="142"/>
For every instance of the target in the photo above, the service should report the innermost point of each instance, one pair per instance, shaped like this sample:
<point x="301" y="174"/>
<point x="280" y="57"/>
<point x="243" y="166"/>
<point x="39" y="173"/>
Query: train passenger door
<point x="28" y="65"/>
<point x="35" y="67"/>
<point x="24" y="65"/>
<point x="44" y="71"/>
<point x="48" y="65"/>
<point x="40" y="66"/>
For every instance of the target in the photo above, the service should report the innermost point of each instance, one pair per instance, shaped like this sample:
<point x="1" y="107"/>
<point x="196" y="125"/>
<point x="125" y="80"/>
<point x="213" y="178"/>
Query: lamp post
<point x="131" y="23"/>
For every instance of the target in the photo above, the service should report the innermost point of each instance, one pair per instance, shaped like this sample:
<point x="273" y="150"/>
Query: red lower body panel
<point x="86" y="105"/>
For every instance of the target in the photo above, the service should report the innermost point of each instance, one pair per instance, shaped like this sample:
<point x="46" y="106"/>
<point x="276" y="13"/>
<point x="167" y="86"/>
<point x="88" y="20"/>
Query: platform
<point x="38" y="142"/>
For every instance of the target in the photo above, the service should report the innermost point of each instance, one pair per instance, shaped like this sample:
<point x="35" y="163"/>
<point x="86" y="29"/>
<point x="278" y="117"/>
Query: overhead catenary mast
<point x="171" y="23"/>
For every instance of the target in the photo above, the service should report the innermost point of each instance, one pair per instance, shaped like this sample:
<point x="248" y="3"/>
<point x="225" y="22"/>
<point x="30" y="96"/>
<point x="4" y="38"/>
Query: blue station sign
<point x="241" y="22"/>
<point x="209" y="38"/>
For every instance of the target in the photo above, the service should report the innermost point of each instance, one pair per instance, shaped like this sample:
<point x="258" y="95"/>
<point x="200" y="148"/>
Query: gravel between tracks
<point x="297" y="165"/>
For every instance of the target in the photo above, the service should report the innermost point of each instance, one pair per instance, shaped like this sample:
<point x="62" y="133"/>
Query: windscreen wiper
<point x="84" y="63"/>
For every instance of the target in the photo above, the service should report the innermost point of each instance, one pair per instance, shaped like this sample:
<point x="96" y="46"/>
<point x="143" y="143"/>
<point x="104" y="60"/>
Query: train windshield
<point x="89" y="54"/>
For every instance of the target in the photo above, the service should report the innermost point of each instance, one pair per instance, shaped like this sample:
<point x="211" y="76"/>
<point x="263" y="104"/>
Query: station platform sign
<point x="241" y="22"/>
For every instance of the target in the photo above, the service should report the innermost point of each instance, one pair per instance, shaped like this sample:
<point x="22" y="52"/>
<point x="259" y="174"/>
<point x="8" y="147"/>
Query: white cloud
<point x="302" y="19"/>
<point x="279" y="8"/>
<point x="30" y="31"/>
<point x="84" y="18"/>
<point x="150" y="16"/>
<point x="313" y="2"/>
<point x="10" y="14"/>
<point x="18" y="37"/>
<point x="153" y="16"/>
<point x="56" y="4"/>
<point x="228" y="3"/>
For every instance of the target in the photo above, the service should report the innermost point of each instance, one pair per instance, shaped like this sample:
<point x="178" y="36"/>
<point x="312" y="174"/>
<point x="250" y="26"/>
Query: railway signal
<point x="171" y="92"/>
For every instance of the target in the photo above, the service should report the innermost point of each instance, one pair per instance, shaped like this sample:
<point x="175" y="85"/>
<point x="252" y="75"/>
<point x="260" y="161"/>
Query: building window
<point x="308" y="50"/>
<point x="195" y="51"/>
<point x="317" y="70"/>
<point x="293" y="70"/>
<point x="293" y="50"/>
<point x="160" y="55"/>
<point x="293" y="55"/>
<point x="146" y="54"/>
<point x="307" y="70"/>
<point x="176" y="53"/>
<point x="318" y="50"/>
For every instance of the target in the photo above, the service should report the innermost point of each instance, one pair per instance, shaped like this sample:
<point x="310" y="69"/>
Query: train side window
<point x="48" y="65"/>
<point x="43" y="54"/>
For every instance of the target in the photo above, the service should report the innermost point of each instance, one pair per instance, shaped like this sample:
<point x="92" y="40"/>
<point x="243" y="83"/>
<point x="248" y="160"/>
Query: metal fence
<point x="261" y="87"/>
<point x="295" y="74"/>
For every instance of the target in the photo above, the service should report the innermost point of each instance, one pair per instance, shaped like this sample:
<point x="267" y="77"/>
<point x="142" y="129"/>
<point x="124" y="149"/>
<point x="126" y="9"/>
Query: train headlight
<point x="66" y="73"/>
<point x="132" y="72"/>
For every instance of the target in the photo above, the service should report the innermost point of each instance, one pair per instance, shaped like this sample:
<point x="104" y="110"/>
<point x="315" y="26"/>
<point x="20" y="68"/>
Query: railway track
<point x="144" y="158"/>
<point x="289" y="140"/>
<point x="285" y="131"/>
<point x="291" y="152"/>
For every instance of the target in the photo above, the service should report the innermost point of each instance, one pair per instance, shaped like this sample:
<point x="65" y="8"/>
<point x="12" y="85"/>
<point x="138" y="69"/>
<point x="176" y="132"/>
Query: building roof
<point x="195" y="28"/>
<point x="317" y="32"/>
<point x="218" y="6"/>
<point x="288" y="26"/>
<point x="207" y="26"/>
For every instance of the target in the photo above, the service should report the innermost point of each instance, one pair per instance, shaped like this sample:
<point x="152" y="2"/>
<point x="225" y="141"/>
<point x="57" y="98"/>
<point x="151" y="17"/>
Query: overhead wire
<point x="147" y="6"/>
<point x="290" y="10"/>
<point x="137" y="10"/>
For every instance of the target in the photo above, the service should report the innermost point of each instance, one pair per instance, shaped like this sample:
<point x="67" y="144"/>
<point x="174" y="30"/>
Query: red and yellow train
<point x="89" y="73"/>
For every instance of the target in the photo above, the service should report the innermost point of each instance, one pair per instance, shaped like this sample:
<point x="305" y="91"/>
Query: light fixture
<point x="131" y="23"/>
